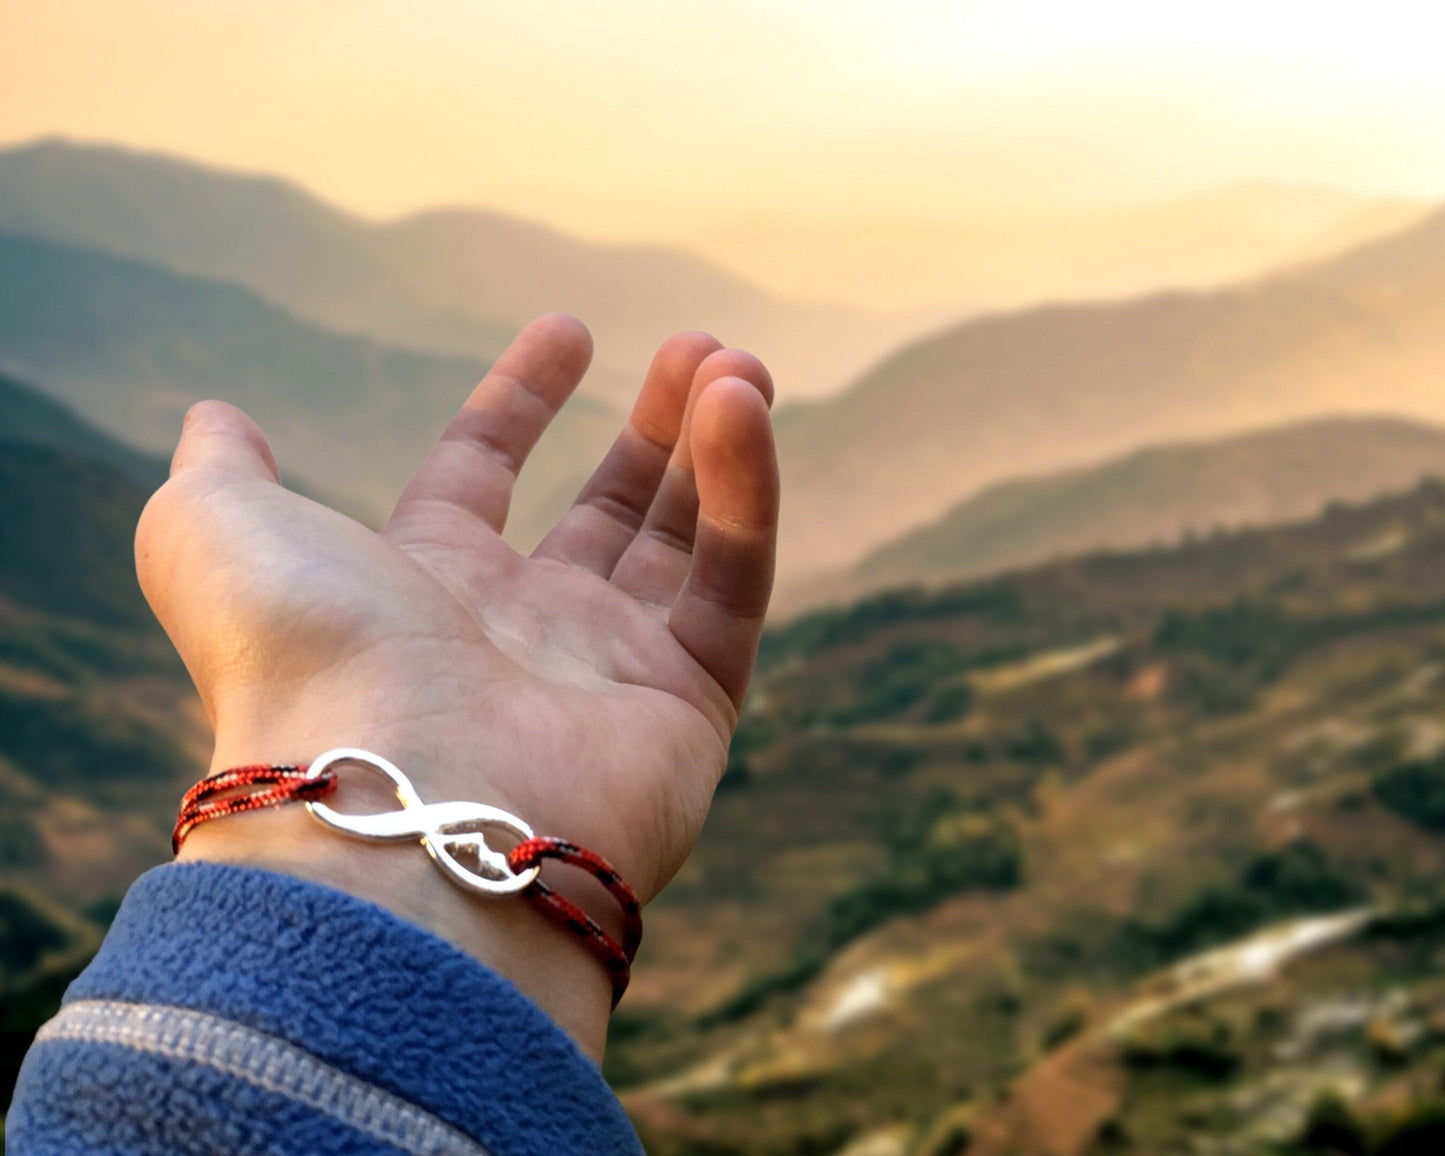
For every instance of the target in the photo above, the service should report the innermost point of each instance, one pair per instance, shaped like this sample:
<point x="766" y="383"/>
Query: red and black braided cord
<point x="251" y="788"/>
<point x="616" y="957"/>
<point x="214" y="797"/>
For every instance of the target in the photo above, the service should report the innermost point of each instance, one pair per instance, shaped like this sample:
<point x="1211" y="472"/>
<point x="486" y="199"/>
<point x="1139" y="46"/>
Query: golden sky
<point x="680" y="118"/>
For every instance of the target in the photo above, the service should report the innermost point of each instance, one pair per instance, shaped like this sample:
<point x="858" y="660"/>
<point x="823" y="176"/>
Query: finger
<point x="219" y="437"/>
<point x="475" y="464"/>
<point x="219" y="446"/>
<point x="718" y="613"/>
<point x="612" y="505"/>
<point x="654" y="566"/>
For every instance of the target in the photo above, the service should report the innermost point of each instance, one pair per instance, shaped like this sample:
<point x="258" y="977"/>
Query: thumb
<point x="219" y="437"/>
<point x="187" y="529"/>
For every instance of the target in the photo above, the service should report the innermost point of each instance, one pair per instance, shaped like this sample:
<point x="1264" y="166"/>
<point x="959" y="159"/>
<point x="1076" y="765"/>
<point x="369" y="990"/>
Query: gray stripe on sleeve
<point x="265" y="1061"/>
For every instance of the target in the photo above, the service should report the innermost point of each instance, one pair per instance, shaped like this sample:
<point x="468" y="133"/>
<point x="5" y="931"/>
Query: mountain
<point x="454" y="282"/>
<point x="87" y="678"/>
<point x="28" y="417"/>
<point x="1009" y="258"/>
<point x="1155" y="495"/>
<point x="258" y="232"/>
<point x="1065" y="385"/>
<point x="1103" y="856"/>
<point x="131" y="345"/>
<point x="1137" y="853"/>
<point x="100" y="730"/>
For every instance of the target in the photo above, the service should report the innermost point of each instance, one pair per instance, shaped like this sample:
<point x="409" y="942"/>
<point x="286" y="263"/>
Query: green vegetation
<point x="95" y="716"/>
<point x="26" y="934"/>
<point x="77" y="740"/>
<point x="1231" y="763"/>
<point x="831" y="629"/>
<point x="40" y="954"/>
<point x="1298" y="880"/>
<point x="1334" y="1127"/>
<point x="961" y="853"/>
<point x="1229" y="758"/>
<point x="1415" y="790"/>
<point x="1191" y="1043"/>
<point x="935" y="853"/>
<point x="1225" y="655"/>
<point x="20" y="844"/>
<point x="894" y="683"/>
<point x="1418" y="1132"/>
<point x="66" y="527"/>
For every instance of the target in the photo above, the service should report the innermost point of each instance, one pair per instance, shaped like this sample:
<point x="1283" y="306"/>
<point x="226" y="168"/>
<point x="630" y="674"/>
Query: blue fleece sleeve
<point x="241" y="1012"/>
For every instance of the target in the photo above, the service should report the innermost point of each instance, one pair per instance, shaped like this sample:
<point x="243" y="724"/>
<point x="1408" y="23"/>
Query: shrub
<point x="1415" y="791"/>
<point x="26" y="934"/>
<point x="950" y="704"/>
<point x="1296" y="880"/>
<point x="935" y="853"/>
<point x="1332" y="1127"/>
<point x="1190" y="1042"/>
<point x="1421" y="1132"/>
<point x="961" y="853"/>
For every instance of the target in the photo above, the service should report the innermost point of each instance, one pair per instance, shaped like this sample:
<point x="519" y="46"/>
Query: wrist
<point x="504" y="932"/>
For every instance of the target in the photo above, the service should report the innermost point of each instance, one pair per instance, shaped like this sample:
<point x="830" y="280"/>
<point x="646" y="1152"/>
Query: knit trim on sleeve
<point x="263" y="1061"/>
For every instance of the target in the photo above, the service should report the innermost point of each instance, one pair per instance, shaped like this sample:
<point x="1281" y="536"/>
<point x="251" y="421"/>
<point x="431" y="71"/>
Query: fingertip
<point x="217" y="435"/>
<point x="737" y="363"/>
<point x="725" y="403"/>
<point x="213" y="412"/>
<point x="565" y="333"/>
<point x="683" y="353"/>
<point x="658" y="413"/>
<point x="734" y="455"/>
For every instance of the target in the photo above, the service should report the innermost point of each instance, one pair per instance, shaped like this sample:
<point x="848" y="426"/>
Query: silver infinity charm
<point x="444" y="829"/>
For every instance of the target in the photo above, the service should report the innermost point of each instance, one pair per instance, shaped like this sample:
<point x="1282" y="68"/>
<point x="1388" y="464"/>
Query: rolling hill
<point x="131" y="345"/>
<point x="454" y="282"/>
<point x="87" y="678"/>
<point x="1063" y="386"/>
<point x="1152" y="496"/>
<point x="980" y="851"/>
<point x="99" y="727"/>
<point x="366" y="306"/>
<point x="1136" y="854"/>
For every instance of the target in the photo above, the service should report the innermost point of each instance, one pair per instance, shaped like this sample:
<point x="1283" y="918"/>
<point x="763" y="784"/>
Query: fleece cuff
<point x="364" y="992"/>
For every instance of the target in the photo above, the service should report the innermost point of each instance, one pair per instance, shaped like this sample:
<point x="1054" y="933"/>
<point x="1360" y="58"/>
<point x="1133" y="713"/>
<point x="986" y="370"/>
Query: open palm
<point x="590" y="688"/>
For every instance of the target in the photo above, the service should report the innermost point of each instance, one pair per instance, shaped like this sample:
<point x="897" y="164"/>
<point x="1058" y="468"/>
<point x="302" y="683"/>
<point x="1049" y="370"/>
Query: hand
<point x="590" y="689"/>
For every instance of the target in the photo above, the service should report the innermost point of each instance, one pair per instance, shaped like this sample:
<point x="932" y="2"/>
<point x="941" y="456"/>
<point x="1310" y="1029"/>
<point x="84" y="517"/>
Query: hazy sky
<point x="665" y="117"/>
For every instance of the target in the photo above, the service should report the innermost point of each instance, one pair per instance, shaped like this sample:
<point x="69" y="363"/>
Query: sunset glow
<point x="690" y="122"/>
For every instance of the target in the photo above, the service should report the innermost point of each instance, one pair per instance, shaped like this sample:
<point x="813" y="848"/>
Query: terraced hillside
<point x="1139" y="853"/>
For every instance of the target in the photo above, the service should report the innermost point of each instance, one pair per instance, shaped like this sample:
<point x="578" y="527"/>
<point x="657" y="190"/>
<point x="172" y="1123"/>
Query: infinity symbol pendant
<point x="446" y="830"/>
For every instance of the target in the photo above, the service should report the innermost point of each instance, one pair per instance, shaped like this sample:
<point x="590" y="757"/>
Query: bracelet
<point x="453" y="834"/>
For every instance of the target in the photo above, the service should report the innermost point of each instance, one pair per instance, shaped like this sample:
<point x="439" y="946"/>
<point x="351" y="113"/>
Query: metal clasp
<point x="446" y="830"/>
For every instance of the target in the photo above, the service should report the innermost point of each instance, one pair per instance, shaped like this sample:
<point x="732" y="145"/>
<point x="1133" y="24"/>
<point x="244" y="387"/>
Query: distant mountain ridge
<point x="131" y="346"/>
<point x="453" y="282"/>
<point x="1010" y="257"/>
<point x="1062" y="386"/>
<point x="1011" y="395"/>
<point x="1152" y="496"/>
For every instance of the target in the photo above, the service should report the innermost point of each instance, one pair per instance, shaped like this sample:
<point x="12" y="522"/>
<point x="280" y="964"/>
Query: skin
<point x="591" y="688"/>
